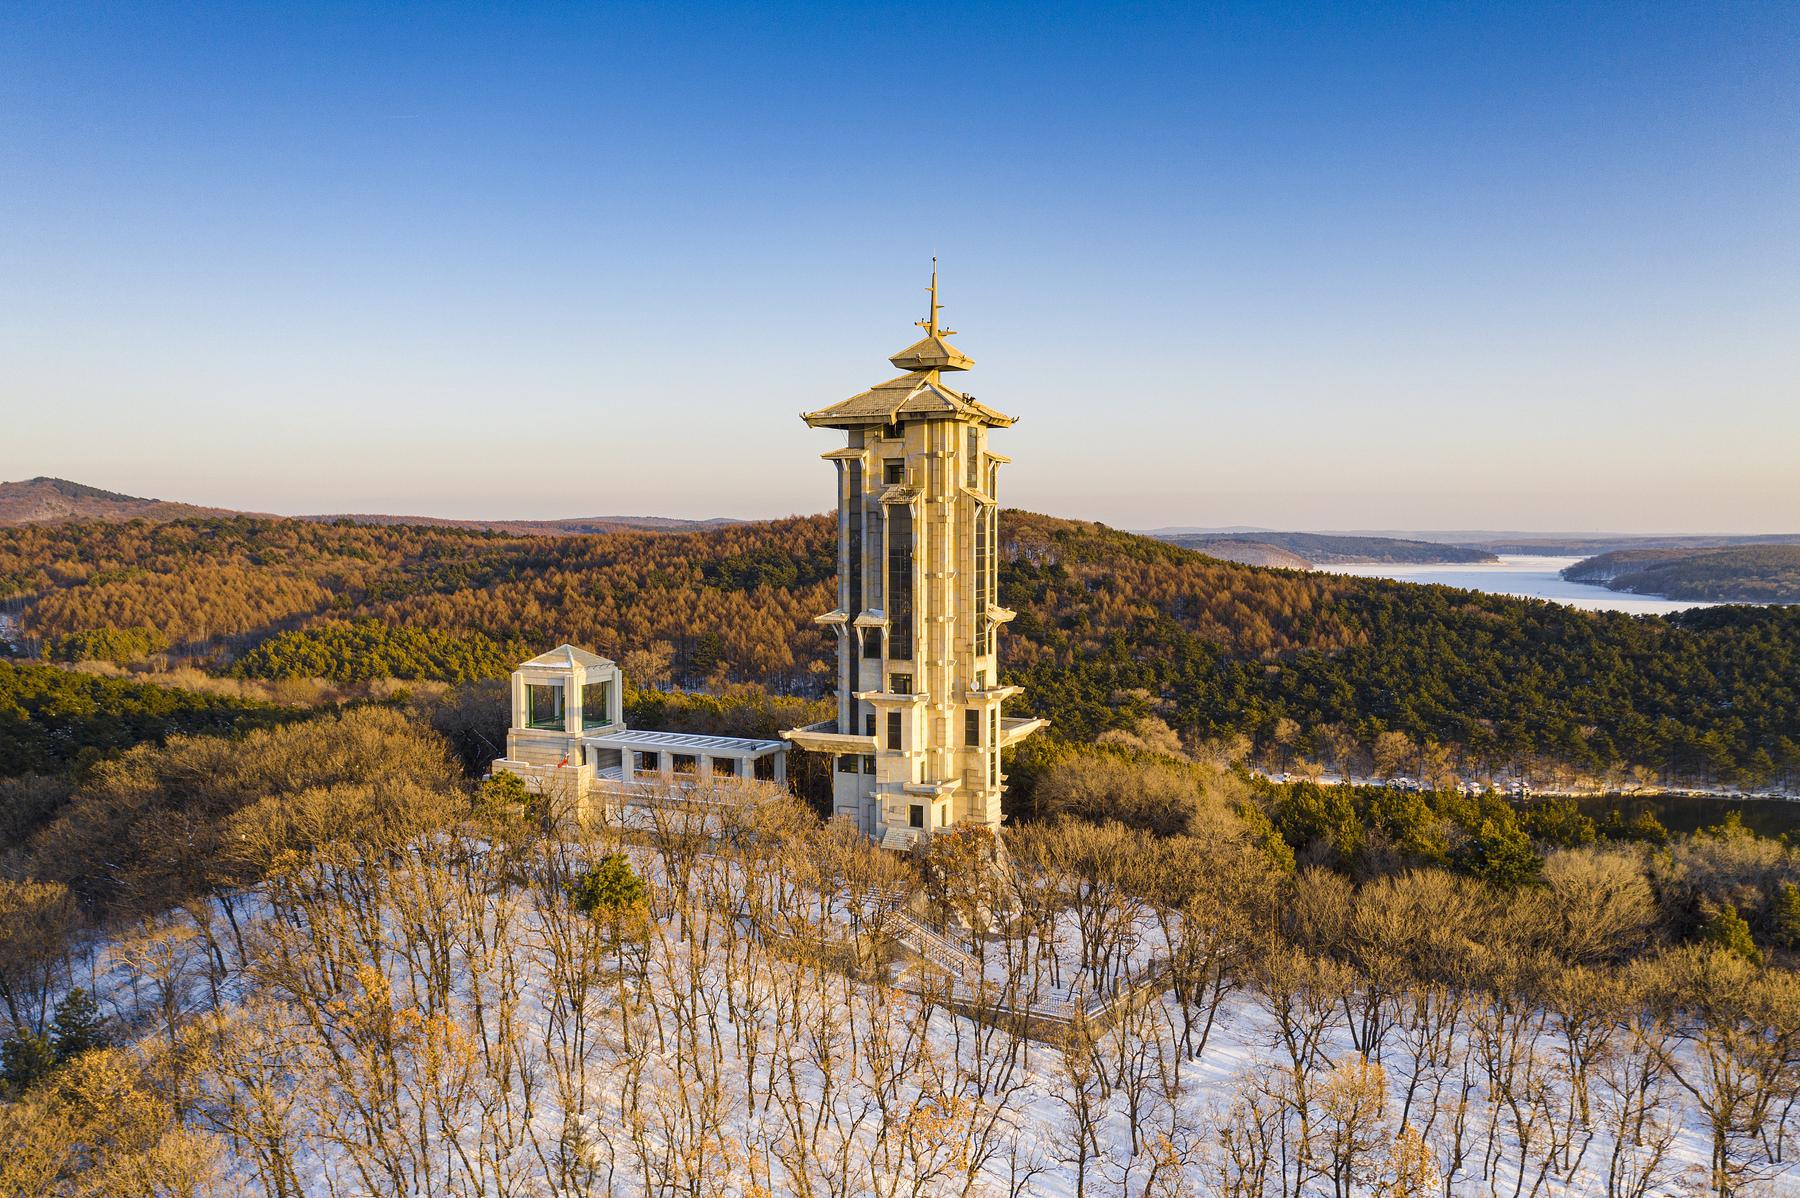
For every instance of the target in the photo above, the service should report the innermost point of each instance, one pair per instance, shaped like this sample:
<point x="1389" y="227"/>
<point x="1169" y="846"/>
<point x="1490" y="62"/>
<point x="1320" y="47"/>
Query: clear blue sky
<point x="1429" y="266"/>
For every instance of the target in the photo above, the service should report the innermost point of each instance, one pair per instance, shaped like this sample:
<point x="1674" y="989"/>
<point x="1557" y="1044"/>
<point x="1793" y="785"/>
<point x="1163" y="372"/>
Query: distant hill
<point x="1496" y="541"/>
<point x="573" y="525"/>
<point x="1328" y="549"/>
<point x="1766" y="573"/>
<point x="59" y="501"/>
<point x="1247" y="552"/>
<point x="1561" y="545"/>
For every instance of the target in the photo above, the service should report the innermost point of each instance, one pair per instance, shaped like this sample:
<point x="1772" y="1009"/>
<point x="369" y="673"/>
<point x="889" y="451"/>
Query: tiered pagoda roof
<point x="920" y="393"/>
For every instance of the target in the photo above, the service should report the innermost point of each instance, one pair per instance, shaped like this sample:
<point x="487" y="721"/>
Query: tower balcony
<point x="824" y="737"/>
<point x="993" y="694"/>
<point x="890" y="696"/>
<point x="1014" y="730"/>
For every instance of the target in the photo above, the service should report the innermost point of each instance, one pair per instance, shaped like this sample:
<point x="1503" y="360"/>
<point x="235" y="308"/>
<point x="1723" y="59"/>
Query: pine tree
<point x="78" y="1026"/>
<point x="25" y="1057"/>
<point x="609" y="887"/>
<point x="1499" y="852"/>
<point x="1728" y="930"/>
<point x="504" y="796"/>
<point x="1787" y="915"/>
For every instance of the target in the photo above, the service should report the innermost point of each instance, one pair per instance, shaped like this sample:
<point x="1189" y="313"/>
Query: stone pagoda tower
<point x="919" y="729"/>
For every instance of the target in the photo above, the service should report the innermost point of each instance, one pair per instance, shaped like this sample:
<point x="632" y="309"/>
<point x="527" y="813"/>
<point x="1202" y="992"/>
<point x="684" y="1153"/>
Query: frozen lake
<point x="1530" y="576"/>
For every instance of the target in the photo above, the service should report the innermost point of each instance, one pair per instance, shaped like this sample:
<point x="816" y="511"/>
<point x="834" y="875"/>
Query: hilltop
<point x="1767" y="573"/>
<point x="1244" y="551"/>
<point x="46" y="500"/>
<point x="568" y="526"/>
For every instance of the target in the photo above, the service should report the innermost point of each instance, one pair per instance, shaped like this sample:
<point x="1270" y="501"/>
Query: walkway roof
<point x="642" y="740"/>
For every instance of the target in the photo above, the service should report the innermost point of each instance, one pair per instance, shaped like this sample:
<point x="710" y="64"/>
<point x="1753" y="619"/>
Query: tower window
<point x="901" y="684"/>
<point x="869" y="724"/>
<point x="846" y="764"/>
<point x="893" y="471"/>
<point x="871" y="642"/>
<point x="853" y="548"/>
<point x="893" y="737"/>
<point x="900" y="582"/>
<point x="974" y="472"/>
<point x="872" y="555"/>
<point x="972" y="727"/>
<point x="984" y="575"/>
<point x="868" y="764"/>
<point x="916" y="816"/>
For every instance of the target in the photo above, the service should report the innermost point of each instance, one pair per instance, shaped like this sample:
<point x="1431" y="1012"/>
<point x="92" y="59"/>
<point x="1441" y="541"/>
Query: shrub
<point x="1137" y="789"/>
<point x="1498" y="852"/>
<point x="1559" y="822"/>
<point x="505" y="796"/>
<point x="1725" y="928"/>
<point x="610" y="886"/>
<point x="1786" y="915"/>
<point x="1643" y="827"/>
<point x="25" y="1058"/>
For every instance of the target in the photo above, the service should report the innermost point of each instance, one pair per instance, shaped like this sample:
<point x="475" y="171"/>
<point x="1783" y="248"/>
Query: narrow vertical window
<point x="974" y="467"/>
<point x="984" y="593"/>
<point x="993" y="564"/>
<point x="893" y="731"/>
<point x="853" y="554"/>
<point x="900" y="582"/>
<point x="972" y="728"/>
<point x="872" y="534"/>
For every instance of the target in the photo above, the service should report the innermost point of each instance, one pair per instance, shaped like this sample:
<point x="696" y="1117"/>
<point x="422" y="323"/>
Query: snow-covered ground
<point x="444" y="1023"/>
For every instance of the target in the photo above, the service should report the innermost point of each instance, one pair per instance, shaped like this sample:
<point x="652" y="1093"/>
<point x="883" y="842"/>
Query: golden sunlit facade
<point x="920" y="727"/>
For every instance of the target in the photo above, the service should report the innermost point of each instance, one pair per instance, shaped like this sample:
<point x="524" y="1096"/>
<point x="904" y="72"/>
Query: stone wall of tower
<point x="917" y="701"/>
<point x="918" y="731"/>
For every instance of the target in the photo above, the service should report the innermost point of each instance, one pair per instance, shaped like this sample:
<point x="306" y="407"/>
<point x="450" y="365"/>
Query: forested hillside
<point x="1337" y="549"/>
<point x="53" y="719"/>
<point x="1113" y="630"/>
<point x="1738" y="574"/>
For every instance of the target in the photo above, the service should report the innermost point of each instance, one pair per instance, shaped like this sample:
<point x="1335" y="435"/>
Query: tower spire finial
<point x="930" y="323"/>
